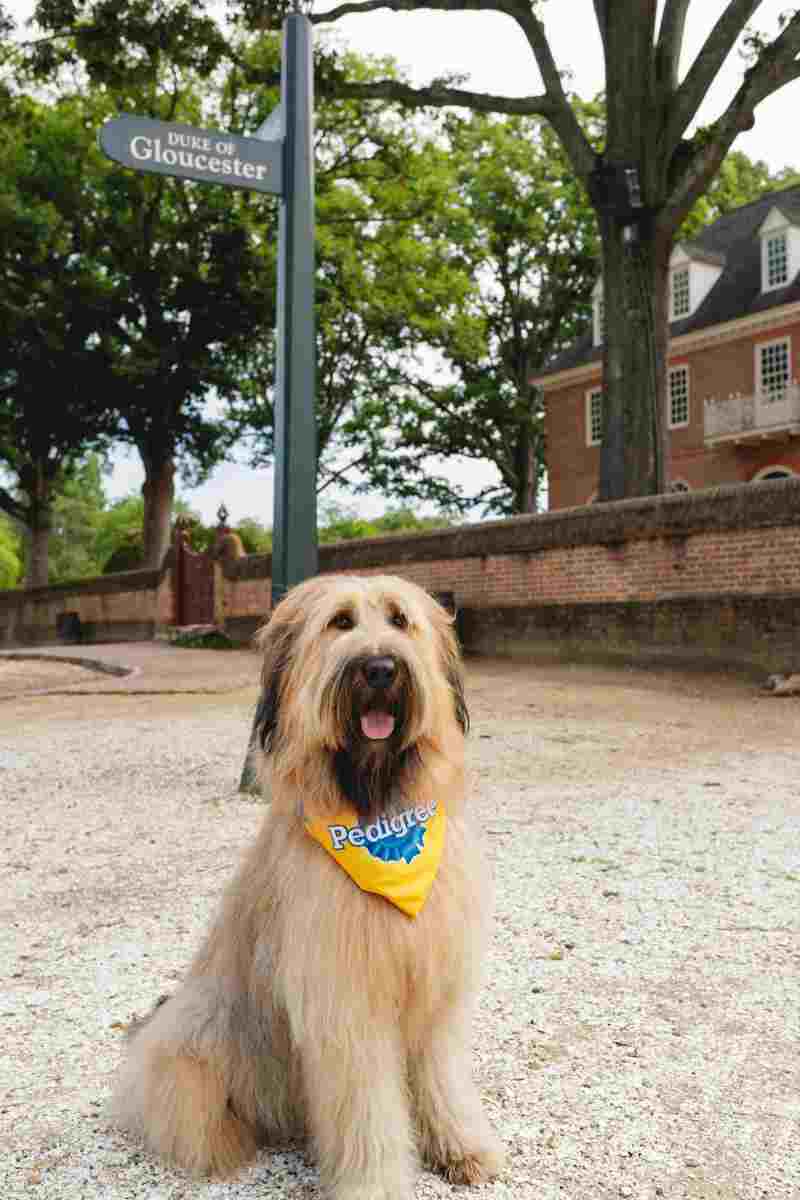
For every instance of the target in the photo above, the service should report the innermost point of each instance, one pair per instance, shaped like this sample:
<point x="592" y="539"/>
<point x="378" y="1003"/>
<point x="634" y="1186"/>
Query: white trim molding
<point x="712" y="335"/>
<point x="774" y="470"/>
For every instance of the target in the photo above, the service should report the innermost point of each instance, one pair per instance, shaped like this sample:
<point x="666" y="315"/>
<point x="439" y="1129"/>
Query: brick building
<point x="734" y="362"/>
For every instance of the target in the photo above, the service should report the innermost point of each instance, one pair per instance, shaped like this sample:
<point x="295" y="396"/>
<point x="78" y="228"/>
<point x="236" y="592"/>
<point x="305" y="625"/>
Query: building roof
<point x="732" y="242"/>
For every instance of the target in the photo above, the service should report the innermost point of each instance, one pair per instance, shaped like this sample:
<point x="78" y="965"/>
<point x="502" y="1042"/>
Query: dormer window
<point x="780" y="251"/>
<point x="693" y="272"/>
<point x="681" y="293"/>
<point x="777" y="260"/>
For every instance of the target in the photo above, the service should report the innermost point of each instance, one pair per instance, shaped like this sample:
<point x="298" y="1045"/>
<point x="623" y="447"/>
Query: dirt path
<point x="638" y="1032"/>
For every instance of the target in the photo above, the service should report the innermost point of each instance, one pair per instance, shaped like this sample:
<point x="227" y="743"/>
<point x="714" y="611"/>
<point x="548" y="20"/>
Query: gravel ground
<point x="638" y="1032"/>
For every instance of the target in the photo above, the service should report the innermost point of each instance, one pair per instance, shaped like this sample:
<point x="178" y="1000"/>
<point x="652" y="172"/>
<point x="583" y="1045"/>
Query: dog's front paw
<point x="473" y="1166"/>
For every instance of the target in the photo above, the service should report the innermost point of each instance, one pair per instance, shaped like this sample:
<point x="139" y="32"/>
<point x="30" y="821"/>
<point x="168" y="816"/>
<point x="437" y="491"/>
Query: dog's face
<point x="364" y="671"/>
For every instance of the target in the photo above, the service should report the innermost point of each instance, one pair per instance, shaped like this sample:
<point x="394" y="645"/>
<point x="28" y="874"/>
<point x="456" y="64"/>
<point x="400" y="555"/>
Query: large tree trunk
<point x="526" y="491"/>
<point x="37" y="566"/>
<point x="635" y="279"/>
<point x="39" y="522"/>
<point x="158" y="491"/>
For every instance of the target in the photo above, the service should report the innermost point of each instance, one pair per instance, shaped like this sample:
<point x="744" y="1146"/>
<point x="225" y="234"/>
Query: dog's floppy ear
<point x="275" y="641"/>
<point x="444" y="617"/>
<point x="456" y="681"/>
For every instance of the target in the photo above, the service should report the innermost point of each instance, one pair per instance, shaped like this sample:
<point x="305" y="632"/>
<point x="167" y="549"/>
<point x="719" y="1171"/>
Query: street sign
<point x="279" y="160"/>
<point x="205" y="155"/>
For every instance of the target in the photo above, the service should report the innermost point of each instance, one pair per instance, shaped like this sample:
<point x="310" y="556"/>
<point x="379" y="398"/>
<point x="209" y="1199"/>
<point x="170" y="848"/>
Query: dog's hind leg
<point x="358" y="1106"/>
<point x="175" y="1087"/>
<point x="455" y="1136"/>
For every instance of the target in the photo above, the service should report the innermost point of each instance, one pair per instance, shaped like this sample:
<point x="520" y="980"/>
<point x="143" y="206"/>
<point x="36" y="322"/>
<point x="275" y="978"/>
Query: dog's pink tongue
<point x="377" y="725"/>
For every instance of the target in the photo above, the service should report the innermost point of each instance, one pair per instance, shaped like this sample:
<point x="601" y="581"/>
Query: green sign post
<point x="278" y="160"/>
<point x="294" y="530"/>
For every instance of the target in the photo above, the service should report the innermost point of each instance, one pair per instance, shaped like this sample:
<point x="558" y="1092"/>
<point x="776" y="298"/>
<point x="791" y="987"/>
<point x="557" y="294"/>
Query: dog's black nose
<point x="380" y="672"/>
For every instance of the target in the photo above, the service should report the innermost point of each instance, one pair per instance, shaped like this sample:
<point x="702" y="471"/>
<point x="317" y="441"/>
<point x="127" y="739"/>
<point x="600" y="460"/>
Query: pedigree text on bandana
<point x="385" y="827"/>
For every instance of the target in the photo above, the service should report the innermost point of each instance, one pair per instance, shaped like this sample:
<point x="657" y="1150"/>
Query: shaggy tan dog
<point x="315" y="1007"/>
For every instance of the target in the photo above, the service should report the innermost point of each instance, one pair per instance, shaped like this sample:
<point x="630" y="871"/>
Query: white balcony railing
<point x="759" y="415"/>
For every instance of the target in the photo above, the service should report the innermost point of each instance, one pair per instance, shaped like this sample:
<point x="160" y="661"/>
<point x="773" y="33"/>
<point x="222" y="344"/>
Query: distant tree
<point x="55" y="321"/>
<point x="339" y="523"/>
<point x="523" y="228"/>
<point x="11" y="565"/>
<point x="256" y="538"/>
<point x="387" y="283"/>
<point x="77" y="517"/>
<point x="189" y="291"/>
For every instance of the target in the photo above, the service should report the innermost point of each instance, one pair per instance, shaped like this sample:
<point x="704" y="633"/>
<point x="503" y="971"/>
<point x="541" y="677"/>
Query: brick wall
<point x="709" y="576"/>
<point x="667" y="576"/>
<point x="130" y="606"/>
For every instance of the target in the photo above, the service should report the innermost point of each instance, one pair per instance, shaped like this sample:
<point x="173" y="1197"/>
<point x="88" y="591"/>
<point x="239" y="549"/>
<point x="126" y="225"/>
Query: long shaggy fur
<point x="313" y="1008"/>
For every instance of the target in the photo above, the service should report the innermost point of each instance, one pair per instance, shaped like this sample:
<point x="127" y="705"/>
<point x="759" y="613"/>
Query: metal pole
<point x="294" y="526"/>
<point x="294" y="531"/>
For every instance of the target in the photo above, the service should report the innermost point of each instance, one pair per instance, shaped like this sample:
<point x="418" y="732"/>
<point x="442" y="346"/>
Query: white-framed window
<point x="773" y="369"/>
<point x="776" y="260"/>
<point x="681" y="304"/>
<point x="780" y="250"/>
<point x="678" y="396"/>
<point x="594" y="417"/>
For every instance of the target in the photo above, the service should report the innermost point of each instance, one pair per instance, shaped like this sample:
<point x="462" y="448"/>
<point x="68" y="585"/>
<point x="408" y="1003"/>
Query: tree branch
<point x="436" y="96"/>
<point x="553" y="104"/>
<point x="706" y="67"/>
<point x="776" y="67"/>
<point x="368" y="6"/>
<point x="328" y="476"/>
<point x="668" y="46"/>
<point x="561" y="115"/>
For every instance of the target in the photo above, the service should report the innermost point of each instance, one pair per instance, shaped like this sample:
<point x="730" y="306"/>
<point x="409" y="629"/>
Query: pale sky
<point x="491" y="50"/>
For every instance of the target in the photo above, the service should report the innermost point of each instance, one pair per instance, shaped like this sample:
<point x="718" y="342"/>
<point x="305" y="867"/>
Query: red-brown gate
<point x="194" y="582"/>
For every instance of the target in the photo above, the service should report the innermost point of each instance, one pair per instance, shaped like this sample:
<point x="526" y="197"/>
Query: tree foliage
<point x="55" y="318"/>
<point x="524" y="231"/>
<point x="11" y="553"/>
<point x="189" y="290"/>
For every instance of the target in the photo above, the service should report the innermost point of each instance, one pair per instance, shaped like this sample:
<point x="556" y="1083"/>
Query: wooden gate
<point x="194" y="582"/>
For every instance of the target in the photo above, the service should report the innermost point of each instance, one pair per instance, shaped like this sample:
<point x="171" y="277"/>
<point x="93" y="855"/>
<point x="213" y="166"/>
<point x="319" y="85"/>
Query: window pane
<point x="680" y="293"/>
<point x="777" y="260"/>
<point x="679" y="396"/>
<point x="774" y="369"/>
<point x="595" y="417"/>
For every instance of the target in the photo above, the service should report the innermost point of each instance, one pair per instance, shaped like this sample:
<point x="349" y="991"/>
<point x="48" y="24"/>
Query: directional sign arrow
<point x="205" y="155"/>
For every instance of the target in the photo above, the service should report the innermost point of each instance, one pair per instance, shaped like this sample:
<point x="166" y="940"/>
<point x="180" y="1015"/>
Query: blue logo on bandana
<point x="396" y="846"/>
<point x="390" y="839"/>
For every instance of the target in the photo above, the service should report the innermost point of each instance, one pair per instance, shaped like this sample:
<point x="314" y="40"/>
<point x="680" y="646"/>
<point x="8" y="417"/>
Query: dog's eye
<point x="342" y="620"/>
<point x="399" y="620"/>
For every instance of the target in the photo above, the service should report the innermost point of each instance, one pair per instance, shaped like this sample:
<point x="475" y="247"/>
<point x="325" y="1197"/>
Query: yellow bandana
<point x="396" y="857"/>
